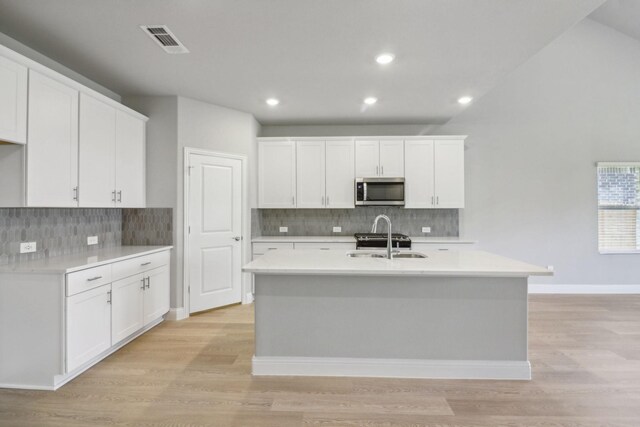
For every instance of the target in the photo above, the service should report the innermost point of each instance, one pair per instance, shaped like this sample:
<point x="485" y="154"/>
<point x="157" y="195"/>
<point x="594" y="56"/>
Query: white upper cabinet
<point x="130" y="161"/>
<point x="52" y="152"/>
<point x="449" y="173"/>
<point x="97" y="153"/>
<point x="310" y="174"/>
<point x="392" y="158"/>
<point x="277" y="174"/>
<point x="434" y="174"/>
<point x="325" y="174"/>
<point x="112" y="156"/>
<point x="13" y="101"/>
<point x="419" y="174"/>
<point x="367" y="158"/>
<point x="384" y="158"/>
<point x="340" y="174"/>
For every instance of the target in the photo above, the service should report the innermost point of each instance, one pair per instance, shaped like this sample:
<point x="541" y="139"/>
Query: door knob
<point x="237" y="238"/>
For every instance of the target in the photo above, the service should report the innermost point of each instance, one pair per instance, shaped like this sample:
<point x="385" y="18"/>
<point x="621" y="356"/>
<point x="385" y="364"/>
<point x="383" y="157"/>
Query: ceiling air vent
<point x="165" y="38"/>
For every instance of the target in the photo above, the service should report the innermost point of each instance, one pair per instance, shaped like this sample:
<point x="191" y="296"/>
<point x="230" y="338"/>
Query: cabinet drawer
<point x="261" y="248"/>
<point x="139" y="264"/>
<point x="326" y="246"/>
<point x="90" y="278"/>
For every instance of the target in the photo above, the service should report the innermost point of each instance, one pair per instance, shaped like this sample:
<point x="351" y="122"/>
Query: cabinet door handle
<point x="120" y="196"/>
<point x="109" y="296"/>
<point x="113" y="196"/>
<point x="382" y="170"/>
<point x="322" y="200"/>
<point x="75" y="193"/>
<point x="377" y="171"/>
<point x="327" y="200"/>
<point x="145" y="263"/>
<point x="293" y="200"/>
<point x="143" y="286"/>
<point x="432" y="201"/>
<point x="91" y="279"/>
<point x="437" y="200"/>
<point x="148" y="282"/>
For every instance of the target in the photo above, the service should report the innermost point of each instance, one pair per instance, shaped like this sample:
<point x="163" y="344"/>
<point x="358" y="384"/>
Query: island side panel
<point x="429" y="318"/>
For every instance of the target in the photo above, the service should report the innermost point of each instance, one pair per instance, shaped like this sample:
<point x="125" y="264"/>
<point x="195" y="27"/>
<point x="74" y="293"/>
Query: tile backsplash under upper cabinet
<point x="64" y="231"/>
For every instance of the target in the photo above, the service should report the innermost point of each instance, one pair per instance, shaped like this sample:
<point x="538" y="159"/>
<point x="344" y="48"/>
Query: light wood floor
<point x="585" y="352"/>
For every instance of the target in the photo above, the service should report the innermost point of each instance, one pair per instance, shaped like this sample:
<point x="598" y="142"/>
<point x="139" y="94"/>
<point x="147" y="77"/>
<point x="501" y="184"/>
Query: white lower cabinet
<point x="88" y="325"/>
<point x="127" y="307"/>
<point x="156" y="294"/>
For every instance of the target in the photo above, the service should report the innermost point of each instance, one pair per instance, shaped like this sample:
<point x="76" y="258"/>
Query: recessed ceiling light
<point x="370" y="100"/>
<point x="384" y="58"/>
<point x="465" y="100"/>
<point x="273" y="102"/>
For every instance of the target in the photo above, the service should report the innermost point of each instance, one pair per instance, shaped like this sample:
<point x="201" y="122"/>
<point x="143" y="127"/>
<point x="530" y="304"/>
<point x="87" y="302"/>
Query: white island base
<point x="388" y="321"/>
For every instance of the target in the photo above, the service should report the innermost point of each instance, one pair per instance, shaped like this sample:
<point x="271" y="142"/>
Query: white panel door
<point x="130" y="161"/>
<point x="127" y="305"/>
<point x="13" y="101"/>
<point x="449" y="174"/>
<point x="156" y="294"/>
<point x="310" y="175"/>
<point x="392" y="158"/>
<point x="97" y="153"/>
<point x="277" y="174"/>
<point x="52" y="152"/>
<point x="419" y="174"/>
<point x="215" y="222"/>
<point x="367" y="158"/>
<point x="340" y="174"/>
<point x="88" y="325"/>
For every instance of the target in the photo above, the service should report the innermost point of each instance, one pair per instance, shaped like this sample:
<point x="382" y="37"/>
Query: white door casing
<point x="214" y="231"/>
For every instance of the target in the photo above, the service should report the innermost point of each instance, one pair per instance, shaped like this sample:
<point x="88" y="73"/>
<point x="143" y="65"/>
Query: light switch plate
<point x="337" y="229"/>
<point x="27" y="247"/>
<point x="284" y="229"/>
<point x="426" y="229"/>
<point x="92" y="240"/>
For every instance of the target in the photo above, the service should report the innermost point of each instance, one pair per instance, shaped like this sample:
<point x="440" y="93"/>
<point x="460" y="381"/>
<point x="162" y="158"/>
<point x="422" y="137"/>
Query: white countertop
<point x="70" y="263"/>
<point x="468" y="263"/>
<point x="351" y="239"/>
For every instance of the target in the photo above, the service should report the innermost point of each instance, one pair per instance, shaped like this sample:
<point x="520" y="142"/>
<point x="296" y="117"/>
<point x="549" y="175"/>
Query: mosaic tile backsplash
<point x="149" y="226"/>
<point x="56" y="231"/>
<point x="65" y="231"/>
<point x="320" y="222"/>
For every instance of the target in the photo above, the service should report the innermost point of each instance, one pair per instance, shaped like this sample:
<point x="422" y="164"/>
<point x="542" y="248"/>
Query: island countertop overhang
<point x="470" y="263"/>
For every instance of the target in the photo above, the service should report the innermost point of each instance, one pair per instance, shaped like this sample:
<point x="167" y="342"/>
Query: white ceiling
<point x="316" y="56"/>
<point x="622" y="15"/>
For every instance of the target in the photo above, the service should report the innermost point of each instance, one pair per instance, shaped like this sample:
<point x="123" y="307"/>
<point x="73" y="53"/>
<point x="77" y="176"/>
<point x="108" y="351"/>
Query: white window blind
<point x="618" y="207"/>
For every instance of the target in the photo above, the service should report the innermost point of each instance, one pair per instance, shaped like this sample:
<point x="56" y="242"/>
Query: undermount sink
<point x="365" y="255"/>
<point x="384" y="255"/>
<point x="408" y="255"/>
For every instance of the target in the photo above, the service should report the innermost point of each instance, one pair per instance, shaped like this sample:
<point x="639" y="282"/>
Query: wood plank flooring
<point x="585" y="352"/>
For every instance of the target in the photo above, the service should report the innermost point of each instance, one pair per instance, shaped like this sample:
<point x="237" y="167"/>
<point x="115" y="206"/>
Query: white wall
<point x="532" y="148"/>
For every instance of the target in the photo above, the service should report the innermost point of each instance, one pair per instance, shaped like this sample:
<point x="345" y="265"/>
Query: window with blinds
<point x="618" y="207"/>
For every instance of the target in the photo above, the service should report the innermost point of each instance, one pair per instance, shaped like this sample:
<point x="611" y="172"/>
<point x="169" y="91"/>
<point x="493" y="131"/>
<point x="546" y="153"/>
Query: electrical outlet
<point x="284" y="229"/>
<point x="337" y="229"/>
<point x="550" y="267"/>
<point x="426" y="229"/>
<point x="92" y="240"/>
<point x="27" y="247"/>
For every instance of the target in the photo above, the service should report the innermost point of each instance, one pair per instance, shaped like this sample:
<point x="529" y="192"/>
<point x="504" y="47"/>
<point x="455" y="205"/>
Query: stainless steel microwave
<point x="379" y="191"/>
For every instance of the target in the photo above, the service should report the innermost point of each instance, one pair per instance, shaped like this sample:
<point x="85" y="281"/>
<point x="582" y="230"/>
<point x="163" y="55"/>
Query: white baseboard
<point x="391" y="368"/>
<point x="177" y="314"/>
<point x="584" y="289"/>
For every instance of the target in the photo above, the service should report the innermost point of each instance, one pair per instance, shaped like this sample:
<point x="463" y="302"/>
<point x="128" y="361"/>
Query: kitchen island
<point x="453" y="314"/>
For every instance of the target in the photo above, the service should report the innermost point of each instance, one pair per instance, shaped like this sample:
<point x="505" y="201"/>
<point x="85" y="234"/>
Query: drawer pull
<point x="145" y="263"/>
<point x="271" y="249"/>
<point x="94" y="278"/>
<point x="324" y="249"/>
